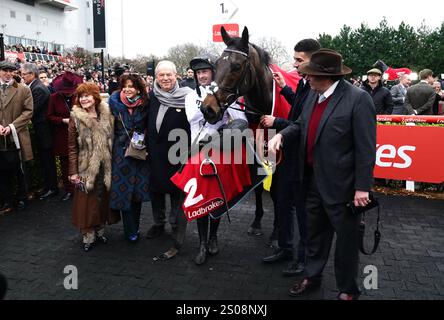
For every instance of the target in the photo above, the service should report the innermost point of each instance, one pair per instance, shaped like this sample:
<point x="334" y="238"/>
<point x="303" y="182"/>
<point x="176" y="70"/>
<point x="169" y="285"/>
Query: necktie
<point x="4" y="86"/>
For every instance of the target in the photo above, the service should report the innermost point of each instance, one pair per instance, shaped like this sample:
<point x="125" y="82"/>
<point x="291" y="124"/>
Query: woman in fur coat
<point x="90" y="134"/>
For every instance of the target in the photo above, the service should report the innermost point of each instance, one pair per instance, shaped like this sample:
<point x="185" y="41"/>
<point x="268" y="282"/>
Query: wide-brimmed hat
<point x="67" y="82"/>
<point x="325" y="62"/>
<point x="6" y="65"/>
<point x="375" y="71"/>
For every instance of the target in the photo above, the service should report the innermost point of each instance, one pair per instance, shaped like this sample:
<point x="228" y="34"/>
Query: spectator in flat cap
<point x="16" y="106"/>
<point x="382" y="98"/>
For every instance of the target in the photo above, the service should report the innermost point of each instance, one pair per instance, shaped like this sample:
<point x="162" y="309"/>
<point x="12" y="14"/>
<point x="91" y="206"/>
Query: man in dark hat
<point x="336" y="133"/>
<point x="16" y="108"/>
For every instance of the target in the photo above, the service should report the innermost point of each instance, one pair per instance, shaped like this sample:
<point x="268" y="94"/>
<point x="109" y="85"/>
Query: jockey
<point x="203" y="69"/>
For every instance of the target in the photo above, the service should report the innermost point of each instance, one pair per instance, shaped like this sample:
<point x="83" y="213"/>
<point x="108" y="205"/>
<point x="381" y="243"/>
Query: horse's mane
<point x="263" y="55"/>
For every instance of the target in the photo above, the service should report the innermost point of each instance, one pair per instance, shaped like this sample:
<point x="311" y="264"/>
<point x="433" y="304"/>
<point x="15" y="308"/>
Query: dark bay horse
<point x="242" y="71"/>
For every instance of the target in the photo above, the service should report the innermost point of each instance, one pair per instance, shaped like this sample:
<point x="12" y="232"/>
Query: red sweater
<point x="316" y="116"/>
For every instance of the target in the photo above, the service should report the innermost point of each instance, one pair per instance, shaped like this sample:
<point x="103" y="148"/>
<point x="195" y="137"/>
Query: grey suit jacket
<point x="345" y="144"/>
<point x="398" y="95"/>
<point x="420" y="97"/>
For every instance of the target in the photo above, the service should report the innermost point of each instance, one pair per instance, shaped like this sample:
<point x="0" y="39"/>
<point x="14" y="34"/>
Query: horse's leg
<point x="256" y="228"/>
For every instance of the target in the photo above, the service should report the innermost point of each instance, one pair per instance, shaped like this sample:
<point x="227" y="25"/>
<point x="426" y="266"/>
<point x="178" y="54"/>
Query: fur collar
<point x="103" y="113"/>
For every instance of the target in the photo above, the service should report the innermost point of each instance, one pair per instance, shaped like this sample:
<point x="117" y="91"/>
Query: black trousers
<point x="48" y="168"/>
<point x="7" y="183"/>
<point x="202" y="228"/>
<point x="158" y="203"/>
<point x="131" y="219"/>
<point x="323" y="220"/>
<point x="290" y="202"/>
<point x="43" y="139"/>
<point x="176" y="216"/>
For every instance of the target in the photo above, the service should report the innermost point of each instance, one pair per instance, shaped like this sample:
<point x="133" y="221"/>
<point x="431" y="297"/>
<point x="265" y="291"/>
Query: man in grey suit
<point x="336" y="133"/>
<point x="421" y="96"/>
<point x="399" y="92"/>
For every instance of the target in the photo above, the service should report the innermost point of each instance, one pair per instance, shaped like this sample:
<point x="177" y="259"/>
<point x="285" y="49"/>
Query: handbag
<point x="133" y="151"/>
<point x="373" y="204"/>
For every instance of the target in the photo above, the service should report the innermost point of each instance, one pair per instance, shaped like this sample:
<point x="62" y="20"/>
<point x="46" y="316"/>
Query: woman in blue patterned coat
<point x="130" y="176"/>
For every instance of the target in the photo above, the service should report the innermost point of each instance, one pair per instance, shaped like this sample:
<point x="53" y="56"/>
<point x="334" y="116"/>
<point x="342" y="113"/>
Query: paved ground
<point x="36" y="245"/>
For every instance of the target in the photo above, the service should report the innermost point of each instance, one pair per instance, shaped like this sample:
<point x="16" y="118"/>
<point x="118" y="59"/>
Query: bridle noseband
<point x="236" y="91"/>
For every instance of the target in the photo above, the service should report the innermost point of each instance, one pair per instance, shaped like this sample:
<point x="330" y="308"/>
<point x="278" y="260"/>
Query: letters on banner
<point x="411" y="153"/>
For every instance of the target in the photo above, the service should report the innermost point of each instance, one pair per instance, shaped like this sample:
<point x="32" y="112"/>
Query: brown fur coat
<point x="93" y="144"/>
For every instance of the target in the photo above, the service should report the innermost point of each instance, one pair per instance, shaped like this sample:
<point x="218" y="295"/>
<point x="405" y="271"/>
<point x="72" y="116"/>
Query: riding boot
<point x="202" y="228"/>
<point x="256" y="228"/>
<point x="212" y="242"/>
<point x="202" y="254"/>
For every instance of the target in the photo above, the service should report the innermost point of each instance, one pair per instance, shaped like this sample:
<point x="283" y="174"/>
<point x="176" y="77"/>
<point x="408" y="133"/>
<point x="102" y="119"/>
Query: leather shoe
<point x="155" y="231"/>
<point x="255" y="229"/>
<point x="67" y="196"/>
<point x="48" y="194"/>
<point x="6" y="208"/>
<point x="294" y="269"/>
<point x="133" y="238"/>
<point x="101" y="239"/>
<point x="303" y="287"/>
<point x="88" y="246"/>
<point x="279" y="255"/>
<point x="346" y="296"/>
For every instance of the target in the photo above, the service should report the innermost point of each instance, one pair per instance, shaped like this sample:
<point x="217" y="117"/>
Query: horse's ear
<point x="225" y="36"/>
<point x="245" y="36"/>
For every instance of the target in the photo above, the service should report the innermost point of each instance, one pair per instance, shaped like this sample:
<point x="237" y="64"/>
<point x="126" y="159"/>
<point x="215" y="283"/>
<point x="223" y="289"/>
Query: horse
<point x="243" y="71"/>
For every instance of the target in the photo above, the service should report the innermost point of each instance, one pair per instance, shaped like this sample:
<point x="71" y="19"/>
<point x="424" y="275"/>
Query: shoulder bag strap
<point x="377" y="235"/>
<point x="124" y="127"/>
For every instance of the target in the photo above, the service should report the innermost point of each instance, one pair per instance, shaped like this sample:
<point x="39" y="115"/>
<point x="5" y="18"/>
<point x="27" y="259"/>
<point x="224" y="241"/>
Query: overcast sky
<point x="154" y="26"/>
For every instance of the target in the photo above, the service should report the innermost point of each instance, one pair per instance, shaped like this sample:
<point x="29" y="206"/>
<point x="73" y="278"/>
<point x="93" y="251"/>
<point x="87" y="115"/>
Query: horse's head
<point x="233" y="77"/>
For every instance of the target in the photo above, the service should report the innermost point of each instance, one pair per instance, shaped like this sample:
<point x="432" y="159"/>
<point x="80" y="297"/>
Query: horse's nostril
<point x="207" y="111"/>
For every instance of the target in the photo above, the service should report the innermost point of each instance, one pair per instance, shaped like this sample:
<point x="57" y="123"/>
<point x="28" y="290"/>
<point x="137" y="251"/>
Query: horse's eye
<point x="235" y="66"/>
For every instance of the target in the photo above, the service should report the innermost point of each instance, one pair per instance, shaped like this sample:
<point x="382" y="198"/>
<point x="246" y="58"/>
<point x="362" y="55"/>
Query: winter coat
<point x="59" y="109"/>
<point x="130" y="177"/>
<point x="92" y="146"/>
<point x="159" y="145"/>
<point x="382" y="98"/>
<point x="16" y="108"/>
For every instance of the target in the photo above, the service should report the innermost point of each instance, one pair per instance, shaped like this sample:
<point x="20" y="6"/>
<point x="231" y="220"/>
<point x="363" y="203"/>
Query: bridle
<point x="236" y="92"/>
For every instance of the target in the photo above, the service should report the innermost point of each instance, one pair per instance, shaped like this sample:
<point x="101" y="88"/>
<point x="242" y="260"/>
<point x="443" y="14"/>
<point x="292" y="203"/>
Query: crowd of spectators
<point x="32" y="49"/>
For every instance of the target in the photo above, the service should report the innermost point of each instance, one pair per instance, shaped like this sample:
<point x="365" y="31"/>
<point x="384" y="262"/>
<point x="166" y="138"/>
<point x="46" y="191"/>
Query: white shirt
<point x="29" y="85"/>
<point x="196" y="118"/>
<point x="328" y="92"/>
